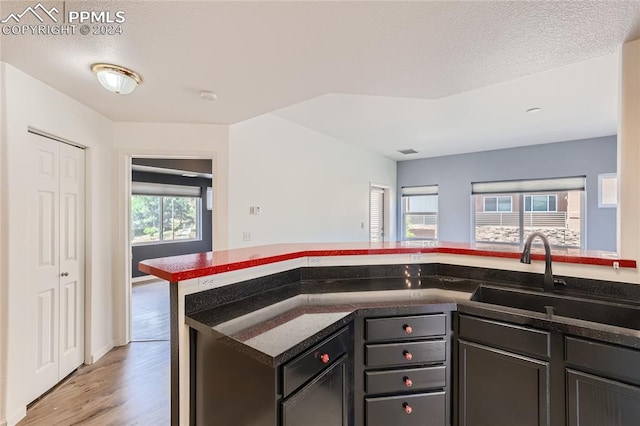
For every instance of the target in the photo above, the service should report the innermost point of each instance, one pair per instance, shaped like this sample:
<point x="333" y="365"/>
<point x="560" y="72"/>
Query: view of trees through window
<point x="155" y="219"/>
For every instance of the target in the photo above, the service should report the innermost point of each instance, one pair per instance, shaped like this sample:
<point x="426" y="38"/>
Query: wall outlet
<point x="415" y="257"/>
<point x="246" y="236"/>
<point x="616" y="265"/>
<point x="205" y="283"/>
<point x="314" y="261"/>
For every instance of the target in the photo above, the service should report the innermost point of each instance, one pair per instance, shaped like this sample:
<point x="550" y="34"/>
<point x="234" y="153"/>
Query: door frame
<point x="386" y="210"/>
<point x="87" y="320"/>
<point x="122" y="309"/>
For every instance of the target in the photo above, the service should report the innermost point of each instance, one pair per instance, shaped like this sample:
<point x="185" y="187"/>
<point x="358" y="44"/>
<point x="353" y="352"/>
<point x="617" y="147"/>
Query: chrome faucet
<point x="548" y="283"/>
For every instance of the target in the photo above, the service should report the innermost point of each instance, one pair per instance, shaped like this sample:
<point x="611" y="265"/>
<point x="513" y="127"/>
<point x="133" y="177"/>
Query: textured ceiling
<point x="577" y="101"/>
<point x="262" y="56"/>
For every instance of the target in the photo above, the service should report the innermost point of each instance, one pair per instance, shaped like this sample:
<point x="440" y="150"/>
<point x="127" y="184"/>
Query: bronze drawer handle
<point x="324" y="358"/>
<point x="407" y="381"/>
<point x="407" y="408"/>
<point x="408" y="356"/>
<point x="407" y="328"/>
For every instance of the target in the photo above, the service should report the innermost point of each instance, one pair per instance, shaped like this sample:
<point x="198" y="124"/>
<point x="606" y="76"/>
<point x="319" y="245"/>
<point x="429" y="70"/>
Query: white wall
<point x="170" y="141"/>
<point x="28" y="102"/>
<point x="310" y="187"/>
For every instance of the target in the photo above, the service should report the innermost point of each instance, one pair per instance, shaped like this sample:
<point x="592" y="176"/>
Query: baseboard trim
<point x="144" y="279"/>
<point x="20" y="414"/>
<point x="102" y="352"/>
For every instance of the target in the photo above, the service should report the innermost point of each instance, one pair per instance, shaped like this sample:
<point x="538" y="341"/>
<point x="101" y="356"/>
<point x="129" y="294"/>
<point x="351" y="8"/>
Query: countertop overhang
<point x="180" y="268"/>
<point x="272" y="327"/>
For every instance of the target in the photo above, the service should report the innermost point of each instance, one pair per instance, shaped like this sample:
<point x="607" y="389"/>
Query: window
<point x="498" y="204"/>
<point x="508" y="212"/>
<point x="541" y="203"/>
<point x="608" y="190"/>
<point x="158" y="218"/>
<point x="420" y="212"/>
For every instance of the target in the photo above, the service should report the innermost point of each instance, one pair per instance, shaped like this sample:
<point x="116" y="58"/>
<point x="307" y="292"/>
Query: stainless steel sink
<point x="617" y="314"/>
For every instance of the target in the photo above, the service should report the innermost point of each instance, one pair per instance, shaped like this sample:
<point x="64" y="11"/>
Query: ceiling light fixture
<point x="533" y="110"/>
<point x="116" y="79"/>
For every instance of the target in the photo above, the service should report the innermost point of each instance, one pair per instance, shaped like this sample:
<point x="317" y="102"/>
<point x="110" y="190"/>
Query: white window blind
<point x="377" y="214"/>
<point x="420" y="190"/>
<point x="575" y="183"/>
<point x="166" y="190"/>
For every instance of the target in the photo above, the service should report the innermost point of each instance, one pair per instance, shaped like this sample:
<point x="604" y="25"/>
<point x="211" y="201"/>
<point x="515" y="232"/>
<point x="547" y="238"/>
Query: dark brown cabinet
<point x="595" y="401"/>
<point x="509" y="374"/>
<point x="322" y="402"/>
<point x="420" y="409"/>
<point x="503" y="374"/>
<point x="607" y="390"/>
<point x="230" y="387"/>
<point x="403" y="374"/>
<point x="497" y="387"/>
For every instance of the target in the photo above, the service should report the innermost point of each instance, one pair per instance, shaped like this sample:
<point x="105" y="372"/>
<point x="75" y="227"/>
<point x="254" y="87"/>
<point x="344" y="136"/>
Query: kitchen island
<point x="401" y="278"/>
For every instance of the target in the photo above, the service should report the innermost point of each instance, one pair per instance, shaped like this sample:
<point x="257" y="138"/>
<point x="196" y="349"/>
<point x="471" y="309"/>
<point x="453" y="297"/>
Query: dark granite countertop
<point x="275" y="325"/>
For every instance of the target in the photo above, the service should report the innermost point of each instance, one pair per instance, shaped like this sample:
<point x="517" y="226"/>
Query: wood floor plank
<point x="128" y="386"/>
<point x="150" y="311"/>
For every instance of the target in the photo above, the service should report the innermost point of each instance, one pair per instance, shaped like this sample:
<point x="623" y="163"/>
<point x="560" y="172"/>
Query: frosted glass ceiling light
<point x="116" y="79"/>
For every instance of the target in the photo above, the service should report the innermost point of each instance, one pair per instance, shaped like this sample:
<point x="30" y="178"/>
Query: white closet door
<point x="44" y="235"/>
<point x="71" y="259"/>
<point x="56" y="279"/>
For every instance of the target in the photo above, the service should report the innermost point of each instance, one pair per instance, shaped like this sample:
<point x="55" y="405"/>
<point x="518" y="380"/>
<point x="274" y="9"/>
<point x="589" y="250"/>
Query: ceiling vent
<point x="407" y="151"/>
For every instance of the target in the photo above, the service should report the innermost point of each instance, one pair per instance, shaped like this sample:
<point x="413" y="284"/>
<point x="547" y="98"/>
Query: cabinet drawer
<point x="515" y="338"/>
<point x="405" y="327"/>
<point x="608" y="360"/>
<point x="405" y="353"/>
<point x="407" y="379"/>
<point x="306" y="366"/>
<point x="423" y="409"/>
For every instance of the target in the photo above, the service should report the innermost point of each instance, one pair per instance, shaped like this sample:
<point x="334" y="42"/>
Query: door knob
<point x="64" y="274"/>
<point x="407" y="381"/>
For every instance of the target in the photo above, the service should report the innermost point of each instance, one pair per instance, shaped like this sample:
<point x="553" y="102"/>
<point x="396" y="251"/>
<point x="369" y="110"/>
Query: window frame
<point x="161" y="241"/>
<point x="602" y="177"/>
<point x="497" y="198"/>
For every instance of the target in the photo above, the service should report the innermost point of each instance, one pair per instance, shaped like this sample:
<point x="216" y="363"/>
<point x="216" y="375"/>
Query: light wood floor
<point x="150" y="311"/>
<point x="128" y="386"/>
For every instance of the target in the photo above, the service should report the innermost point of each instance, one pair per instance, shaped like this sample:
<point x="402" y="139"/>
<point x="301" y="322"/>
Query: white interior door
<point x="376" y="214"/>
<point x="44" y="203"/>
<point x="56" y="238"/>
<point x="71" y="259"/>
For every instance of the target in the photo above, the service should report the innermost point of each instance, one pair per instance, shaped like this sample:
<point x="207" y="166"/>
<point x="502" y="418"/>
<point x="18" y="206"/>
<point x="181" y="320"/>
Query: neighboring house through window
<point x="508" y="211"/>
<point x="541" y="203"/>
<point x="420" y="212"/>
<point x="498" y="204"/>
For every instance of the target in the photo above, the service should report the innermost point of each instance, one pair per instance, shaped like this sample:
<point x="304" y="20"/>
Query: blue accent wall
<point x="453" y="174"/>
